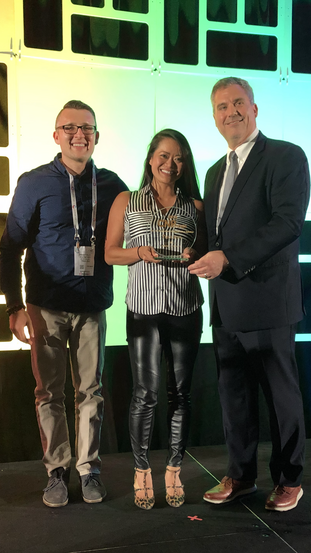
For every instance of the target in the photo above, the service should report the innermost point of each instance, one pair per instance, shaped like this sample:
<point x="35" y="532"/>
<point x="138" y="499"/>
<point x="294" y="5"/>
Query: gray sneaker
<point x="56" y="492"/>
<point x="93" y="490"/>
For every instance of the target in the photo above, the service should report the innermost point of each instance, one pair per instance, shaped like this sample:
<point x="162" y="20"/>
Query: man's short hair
<point x="76" y="104"/>
<point x="228" y="81"/>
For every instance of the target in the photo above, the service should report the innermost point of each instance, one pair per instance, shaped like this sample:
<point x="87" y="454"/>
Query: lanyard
<point x="75" y="211"/>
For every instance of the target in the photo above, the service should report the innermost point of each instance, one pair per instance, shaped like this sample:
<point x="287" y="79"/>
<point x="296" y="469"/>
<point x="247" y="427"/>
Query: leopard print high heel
<point x="177" y="499"/>
<point x="144" y="500"/>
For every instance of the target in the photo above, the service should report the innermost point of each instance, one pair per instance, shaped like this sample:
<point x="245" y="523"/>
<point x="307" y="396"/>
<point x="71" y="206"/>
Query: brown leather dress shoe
<point x="283" y="498"/>
<point x="228" y="490"/>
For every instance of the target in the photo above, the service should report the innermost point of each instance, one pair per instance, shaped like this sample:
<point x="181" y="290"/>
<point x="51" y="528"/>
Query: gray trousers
<point x="85" y="333"/>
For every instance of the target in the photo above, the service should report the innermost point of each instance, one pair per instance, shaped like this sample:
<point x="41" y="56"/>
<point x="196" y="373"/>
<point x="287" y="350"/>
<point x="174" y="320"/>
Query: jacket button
<point x="217" y="244"/>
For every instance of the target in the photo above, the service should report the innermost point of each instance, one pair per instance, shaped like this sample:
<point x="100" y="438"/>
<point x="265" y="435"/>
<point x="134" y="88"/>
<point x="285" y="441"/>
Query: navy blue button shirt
<point x="40" y="221"/>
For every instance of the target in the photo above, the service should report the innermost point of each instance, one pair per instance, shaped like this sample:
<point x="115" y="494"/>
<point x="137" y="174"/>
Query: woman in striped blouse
<point x="163" y="300"/>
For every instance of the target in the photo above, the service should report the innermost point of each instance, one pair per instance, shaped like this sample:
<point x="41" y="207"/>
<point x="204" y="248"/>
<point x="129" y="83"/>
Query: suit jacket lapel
<point x="249" y="166"/>
<point x="214" y="185"/>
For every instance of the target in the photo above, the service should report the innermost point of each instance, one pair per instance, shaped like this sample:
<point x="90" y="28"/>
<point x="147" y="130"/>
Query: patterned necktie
<point x="232" y="174"/>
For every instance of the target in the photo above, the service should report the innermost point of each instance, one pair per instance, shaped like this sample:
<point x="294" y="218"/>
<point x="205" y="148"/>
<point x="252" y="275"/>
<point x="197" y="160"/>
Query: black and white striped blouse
<point x="165" y="287"/>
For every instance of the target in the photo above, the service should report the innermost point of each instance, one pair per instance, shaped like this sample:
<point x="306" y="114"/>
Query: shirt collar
<point x="63" y="169"/>
<point x="243" y="150"/>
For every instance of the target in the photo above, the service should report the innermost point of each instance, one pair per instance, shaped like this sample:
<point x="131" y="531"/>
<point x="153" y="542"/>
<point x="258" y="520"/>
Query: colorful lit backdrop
<point x="145" y="65"/>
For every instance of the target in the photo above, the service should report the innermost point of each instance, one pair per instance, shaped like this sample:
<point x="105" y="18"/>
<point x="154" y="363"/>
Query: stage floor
<point x="117" y="525"/>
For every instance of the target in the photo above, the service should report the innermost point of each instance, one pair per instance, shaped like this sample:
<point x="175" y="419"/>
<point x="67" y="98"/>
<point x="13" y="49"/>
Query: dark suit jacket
<point x="259" y="234"/>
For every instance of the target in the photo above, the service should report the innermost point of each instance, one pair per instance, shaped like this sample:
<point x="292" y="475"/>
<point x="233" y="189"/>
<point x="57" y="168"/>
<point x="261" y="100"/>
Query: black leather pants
<point x="148" y="336"/>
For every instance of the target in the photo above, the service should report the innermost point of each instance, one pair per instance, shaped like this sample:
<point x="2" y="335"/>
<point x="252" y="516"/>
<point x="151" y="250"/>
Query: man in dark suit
<point x="255" y="210"/>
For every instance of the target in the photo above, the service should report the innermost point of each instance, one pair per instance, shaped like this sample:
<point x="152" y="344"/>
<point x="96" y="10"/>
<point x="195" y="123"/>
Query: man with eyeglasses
<point x="59" y="215"/>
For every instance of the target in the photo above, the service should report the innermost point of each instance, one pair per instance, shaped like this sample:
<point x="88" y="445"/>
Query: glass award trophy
<point x="171" y="231"/>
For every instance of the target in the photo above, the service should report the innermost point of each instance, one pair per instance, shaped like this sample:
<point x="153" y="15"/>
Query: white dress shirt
<point x="242" y="153"/>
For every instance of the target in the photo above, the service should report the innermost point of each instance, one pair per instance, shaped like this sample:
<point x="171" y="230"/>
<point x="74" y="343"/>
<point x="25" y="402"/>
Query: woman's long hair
<point x="188" y="181"/>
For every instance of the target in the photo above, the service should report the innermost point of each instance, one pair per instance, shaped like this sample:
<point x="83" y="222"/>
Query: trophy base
<point x="178" y="257"/>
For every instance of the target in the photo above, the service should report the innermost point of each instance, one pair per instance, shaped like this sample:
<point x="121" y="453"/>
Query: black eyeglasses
<point x="73" y="129"/>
